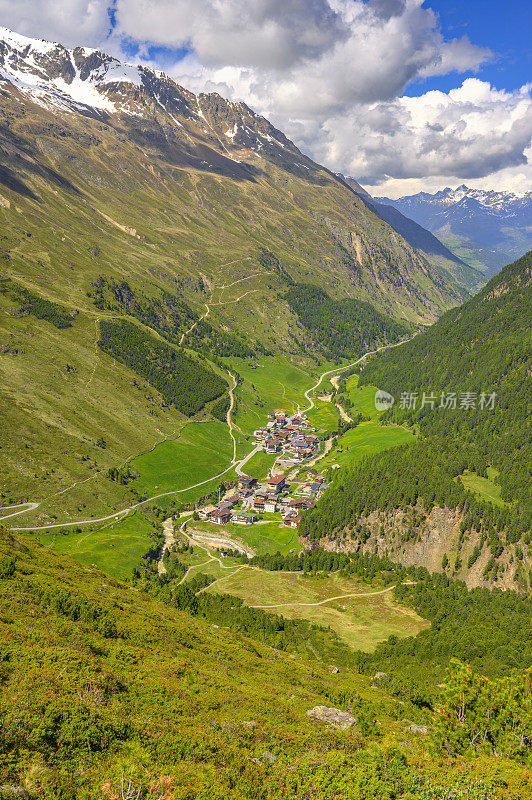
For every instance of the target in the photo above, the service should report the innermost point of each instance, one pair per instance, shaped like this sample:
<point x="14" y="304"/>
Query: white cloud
<point x="468" y="133"/>
<point x="270" y="34"/>
<point x="70" y="22"/>
<point x="304" y="57"/>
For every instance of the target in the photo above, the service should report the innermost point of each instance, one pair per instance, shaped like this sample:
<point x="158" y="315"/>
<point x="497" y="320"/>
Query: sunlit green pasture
<point x="115" y="549"/>
<point x="361" y="621"/>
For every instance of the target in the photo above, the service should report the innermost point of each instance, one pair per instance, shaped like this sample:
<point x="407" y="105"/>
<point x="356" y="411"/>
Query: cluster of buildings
<point x="292" y="437"/>
<point x="294" y="440"/>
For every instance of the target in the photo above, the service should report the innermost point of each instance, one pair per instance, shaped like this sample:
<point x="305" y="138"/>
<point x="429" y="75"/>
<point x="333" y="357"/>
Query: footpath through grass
<point x="362" y="622"/>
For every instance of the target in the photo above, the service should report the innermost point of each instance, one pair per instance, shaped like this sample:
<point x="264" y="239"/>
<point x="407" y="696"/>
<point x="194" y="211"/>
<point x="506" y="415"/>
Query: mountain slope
<point x="125" y="196"/>
<point x="482" y="227"/>
<point x="107" y="692"/>
<point x="447" y="262"/>
<point x="459" y="498"/>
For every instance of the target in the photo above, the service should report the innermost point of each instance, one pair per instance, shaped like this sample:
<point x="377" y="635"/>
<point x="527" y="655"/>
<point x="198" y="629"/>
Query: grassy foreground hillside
<point x="103" y="687"/>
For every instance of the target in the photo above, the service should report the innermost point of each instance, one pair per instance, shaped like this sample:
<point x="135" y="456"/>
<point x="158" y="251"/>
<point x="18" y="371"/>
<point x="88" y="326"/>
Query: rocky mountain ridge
<point x="465" y="218"/>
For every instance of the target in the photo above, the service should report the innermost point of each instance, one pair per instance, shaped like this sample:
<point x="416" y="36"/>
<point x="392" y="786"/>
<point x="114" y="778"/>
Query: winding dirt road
<point x="237" y="465"/>
<point x="169" y="539"/>
<point x="329" y="599"/>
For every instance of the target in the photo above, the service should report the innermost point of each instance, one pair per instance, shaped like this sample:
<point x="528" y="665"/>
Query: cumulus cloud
<point x="70" y="22"/>
<point x="271" y="34"/>
<point x="307" y="57"/>
<point x="471" y="132"/>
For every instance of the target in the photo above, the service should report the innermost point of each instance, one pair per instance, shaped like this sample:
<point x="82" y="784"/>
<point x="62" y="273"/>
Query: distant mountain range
<point x="484" y="228"/>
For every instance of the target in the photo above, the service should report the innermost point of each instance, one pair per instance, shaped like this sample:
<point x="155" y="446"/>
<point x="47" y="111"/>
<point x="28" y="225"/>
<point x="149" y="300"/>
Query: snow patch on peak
<point x="19" y="42"/>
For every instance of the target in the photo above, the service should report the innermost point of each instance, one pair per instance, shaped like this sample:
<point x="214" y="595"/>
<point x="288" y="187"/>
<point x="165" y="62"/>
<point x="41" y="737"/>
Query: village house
<point x="204" y="512"/>
<point x="291" y="522"/>
<point x="302" y="503"/>
<point x="258" y="504"/>
<point x="240" y="518"/>
<point x="220" y="516"/>
<point x="276" y="483"/>
<point x="246" y="482"/>
<point x="225" y="505"/>
<point x="272" y="446"/>
<point x="270" y="505"/>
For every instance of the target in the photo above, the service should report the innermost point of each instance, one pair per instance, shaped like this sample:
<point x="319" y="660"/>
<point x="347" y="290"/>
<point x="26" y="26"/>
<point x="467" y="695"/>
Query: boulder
<point x="269" y="757"/>
<point x="418" y="728"/>
<point x="332" y="717"/>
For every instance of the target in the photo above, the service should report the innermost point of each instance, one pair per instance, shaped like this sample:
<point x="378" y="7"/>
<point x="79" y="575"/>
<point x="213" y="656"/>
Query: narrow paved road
<point x="241" y="464"/>
<point x="237" y="465"/>
<point x="338" y="370"/>
<point x="23" y="506"/>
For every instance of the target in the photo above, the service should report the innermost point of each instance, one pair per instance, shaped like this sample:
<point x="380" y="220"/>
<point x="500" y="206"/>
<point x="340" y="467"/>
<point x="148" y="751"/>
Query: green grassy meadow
<point x="260" y="465"/>
<point x="485" y="488"/>
<point x="276" y="382"/>
<point x="115" y="549"/>
<point x="367" y="438"/>
<point x="364" y="440"/>
<point x="324" y="416"/>
<point x="362" y="622"/>
<point x="271" y="537"/>
<point x="202" y="449"/>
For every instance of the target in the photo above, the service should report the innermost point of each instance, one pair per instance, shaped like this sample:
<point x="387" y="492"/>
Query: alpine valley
<point x="265" y="463"/>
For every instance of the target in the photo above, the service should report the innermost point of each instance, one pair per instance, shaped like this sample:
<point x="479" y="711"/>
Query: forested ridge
<point x="181" y="381"/>
<point x="342" y="328"/>
<point x="36" y="305"/>
<point x="478" y="351"/>
<point x="169" y="315"/>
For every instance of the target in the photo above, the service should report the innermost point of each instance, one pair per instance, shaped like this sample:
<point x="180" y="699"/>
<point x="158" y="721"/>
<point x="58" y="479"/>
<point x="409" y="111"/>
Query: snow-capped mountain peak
<point x="491" y="219"/>
<point x="86" y="81"/>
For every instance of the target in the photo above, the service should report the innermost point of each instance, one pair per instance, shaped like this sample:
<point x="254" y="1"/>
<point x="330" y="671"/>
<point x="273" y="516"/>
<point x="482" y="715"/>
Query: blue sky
<point x="504" y="27"/>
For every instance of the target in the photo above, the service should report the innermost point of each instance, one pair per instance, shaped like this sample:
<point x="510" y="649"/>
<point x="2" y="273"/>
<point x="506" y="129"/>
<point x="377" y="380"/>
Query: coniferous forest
<point x="342" y="328"/>
<point x="182" y="382"/>
<point x="478" y="351"/>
